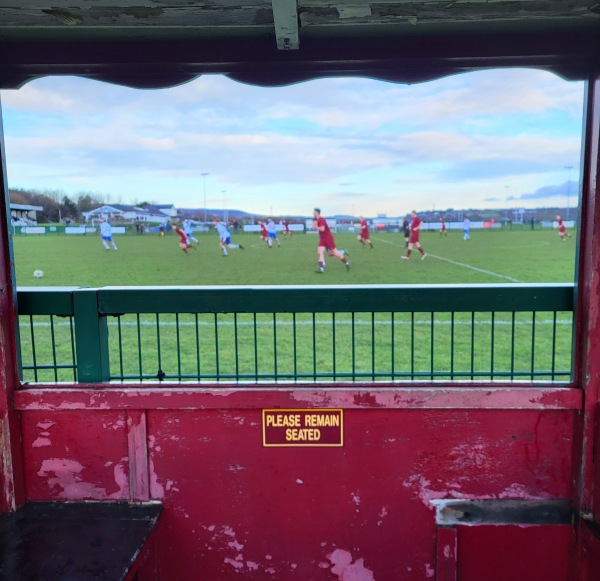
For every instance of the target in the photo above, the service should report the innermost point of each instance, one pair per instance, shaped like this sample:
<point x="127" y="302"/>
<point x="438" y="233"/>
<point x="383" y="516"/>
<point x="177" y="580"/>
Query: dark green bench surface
<point x="74" y="541"/>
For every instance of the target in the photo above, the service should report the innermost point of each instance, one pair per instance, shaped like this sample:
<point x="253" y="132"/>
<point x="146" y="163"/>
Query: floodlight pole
<point x="507" y="188"/>
<point x="204" y="180"/>
<point x="568" y="168"/>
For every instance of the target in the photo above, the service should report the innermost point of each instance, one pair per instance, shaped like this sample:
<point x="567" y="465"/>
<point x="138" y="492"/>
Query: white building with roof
<point x="151" y="213"/>
<point x="24" y="214"/>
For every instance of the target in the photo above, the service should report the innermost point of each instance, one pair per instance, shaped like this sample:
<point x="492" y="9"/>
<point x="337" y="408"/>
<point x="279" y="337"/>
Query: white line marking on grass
<point x="475" y="268"/>
<point x="483" y="271"/>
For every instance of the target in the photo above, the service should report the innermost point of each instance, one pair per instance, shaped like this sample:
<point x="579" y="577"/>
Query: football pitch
<point x="489" y="257"/>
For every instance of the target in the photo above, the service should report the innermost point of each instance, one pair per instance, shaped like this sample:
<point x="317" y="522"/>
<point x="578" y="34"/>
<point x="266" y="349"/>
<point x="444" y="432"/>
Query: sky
<point x="350" y="146"/>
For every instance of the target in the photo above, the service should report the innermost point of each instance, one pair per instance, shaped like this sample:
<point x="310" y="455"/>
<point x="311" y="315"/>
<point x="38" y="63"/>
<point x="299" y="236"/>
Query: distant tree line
<point x="56" y="203"/>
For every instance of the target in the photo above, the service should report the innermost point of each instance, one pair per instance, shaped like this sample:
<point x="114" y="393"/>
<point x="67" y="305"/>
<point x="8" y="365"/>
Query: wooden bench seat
<point x="75" y="541"/>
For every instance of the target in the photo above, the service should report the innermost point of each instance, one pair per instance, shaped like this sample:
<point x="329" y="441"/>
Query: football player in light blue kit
<point x="106" y="233"/>
<point x="272" y="233"/>
<point x="225" y="238"/>
<point x="466" y="228"/>
<point x="187" y="228"/>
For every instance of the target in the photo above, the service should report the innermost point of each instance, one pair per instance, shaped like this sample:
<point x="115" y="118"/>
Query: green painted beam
<point x="338" y="299"/>
<point x="45" y="301"/>
<point x="91" y="338"/>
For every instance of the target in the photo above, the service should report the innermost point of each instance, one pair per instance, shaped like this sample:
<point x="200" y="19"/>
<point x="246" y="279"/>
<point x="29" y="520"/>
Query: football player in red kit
<point x="264" y="235"/>
<point x="286" y="229"/>
<point x="443" y="230"/>
<point x="562" y="229"/>
<point x="183" y="239"/>
<point x="415" y="227"/>
<point x="326" y="241"/>
<point x="363" y="237"/>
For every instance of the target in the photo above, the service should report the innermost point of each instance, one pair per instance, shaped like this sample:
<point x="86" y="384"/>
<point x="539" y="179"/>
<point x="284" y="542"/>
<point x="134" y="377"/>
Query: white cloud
<point x="80" y="180"/>
<point x="36" y="99"/>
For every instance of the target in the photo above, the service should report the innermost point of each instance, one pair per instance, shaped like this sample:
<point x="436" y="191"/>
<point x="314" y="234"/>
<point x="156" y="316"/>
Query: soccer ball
<point x="38" y="273"/>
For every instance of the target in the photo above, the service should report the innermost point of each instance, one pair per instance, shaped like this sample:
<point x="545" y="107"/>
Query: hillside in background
<point x="59" y="206"/>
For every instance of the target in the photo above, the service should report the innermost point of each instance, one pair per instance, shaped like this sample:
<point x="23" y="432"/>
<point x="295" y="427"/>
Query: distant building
<point x="24" y="214"/>
<point x="518" y="216"/>
<point x="121" y="212"/>
<point x="158" y="209"/>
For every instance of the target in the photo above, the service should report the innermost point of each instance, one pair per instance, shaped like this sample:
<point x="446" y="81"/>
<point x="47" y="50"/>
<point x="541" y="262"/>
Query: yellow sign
<point x="316" y="427"/>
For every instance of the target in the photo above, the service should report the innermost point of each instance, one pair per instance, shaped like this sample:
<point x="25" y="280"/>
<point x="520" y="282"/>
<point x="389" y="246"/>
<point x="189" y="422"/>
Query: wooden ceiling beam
<point x="167" y="62"/>
<point x="285" y="18"/>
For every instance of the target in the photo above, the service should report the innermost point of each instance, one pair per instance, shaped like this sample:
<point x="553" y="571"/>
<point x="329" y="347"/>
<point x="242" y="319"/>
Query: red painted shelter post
<point x="137" y="445"/>
<point x="11" y="469"/>
<point x="587" y="361"/>
<point x="446" y="549"/>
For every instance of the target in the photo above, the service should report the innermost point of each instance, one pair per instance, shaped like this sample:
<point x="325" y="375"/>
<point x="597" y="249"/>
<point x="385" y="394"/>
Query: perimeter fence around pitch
<point x="509" y="332"/>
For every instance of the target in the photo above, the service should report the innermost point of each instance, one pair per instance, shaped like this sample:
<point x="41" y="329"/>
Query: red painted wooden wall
<point x="359" y="512"/>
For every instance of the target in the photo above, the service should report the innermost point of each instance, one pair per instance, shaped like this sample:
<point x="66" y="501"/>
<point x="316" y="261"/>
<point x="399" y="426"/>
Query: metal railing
<point x="47" y="335"/>
<point x="518" y="332"/>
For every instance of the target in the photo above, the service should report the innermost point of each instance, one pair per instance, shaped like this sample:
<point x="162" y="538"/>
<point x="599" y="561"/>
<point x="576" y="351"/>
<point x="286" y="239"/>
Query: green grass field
<point x="489" y="257"/>
<point x="366" y="346"/>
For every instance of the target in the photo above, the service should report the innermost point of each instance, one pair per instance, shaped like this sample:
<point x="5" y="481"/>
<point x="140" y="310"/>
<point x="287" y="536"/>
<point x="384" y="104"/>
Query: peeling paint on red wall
<point x="361" y="512"/>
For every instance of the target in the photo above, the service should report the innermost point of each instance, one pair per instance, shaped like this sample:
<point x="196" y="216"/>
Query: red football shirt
<point x="325" y="236"/>
<point x="416" y="222"/>
<point x="364" y="229"/>
<point x="322" y="223"/>
<point x="182" y="235"/>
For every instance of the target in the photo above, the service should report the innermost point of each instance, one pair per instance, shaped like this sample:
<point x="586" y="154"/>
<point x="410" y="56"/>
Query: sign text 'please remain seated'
<point x="315" y="427"/>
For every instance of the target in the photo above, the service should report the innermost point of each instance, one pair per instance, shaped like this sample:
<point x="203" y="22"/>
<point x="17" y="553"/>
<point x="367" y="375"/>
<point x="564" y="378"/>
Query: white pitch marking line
<point x="476" y="269"/>
<point x="357" y="322"/>
<point x="483" y="271"/>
